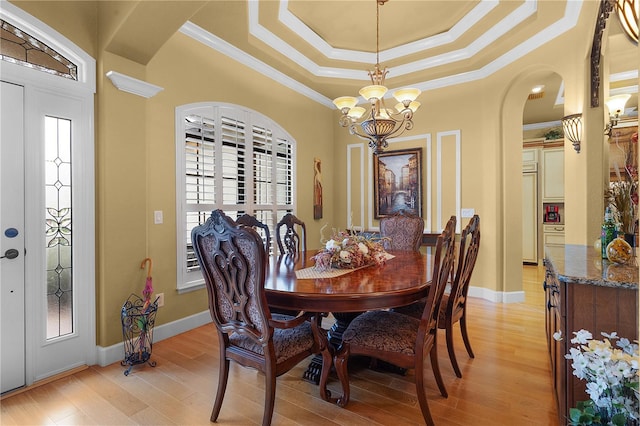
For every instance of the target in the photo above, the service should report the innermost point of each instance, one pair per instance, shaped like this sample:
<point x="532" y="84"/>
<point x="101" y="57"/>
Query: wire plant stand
<point x="137" y="330"/>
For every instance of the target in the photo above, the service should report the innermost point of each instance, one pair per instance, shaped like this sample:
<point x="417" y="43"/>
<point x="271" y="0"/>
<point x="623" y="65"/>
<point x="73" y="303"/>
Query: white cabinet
<point x="553" y="235"/>
<point x="552" y="162"/>
<point x="529" y="213"/>
<point x="529" y="155"/>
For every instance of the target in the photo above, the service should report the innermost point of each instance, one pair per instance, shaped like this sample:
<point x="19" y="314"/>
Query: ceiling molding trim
<point x="312" y="38"/>
<point x="623" y="90"/>
<point x="624" y="75"/>
<point x="197" y="33"/>
<point x="542" y="125"/>
<point x="133" y="85"/>
<point x="528" y="8"/>
<point x="568" y="21"/>
<point x="497" y="31"/>
<point x="296" y="56"/>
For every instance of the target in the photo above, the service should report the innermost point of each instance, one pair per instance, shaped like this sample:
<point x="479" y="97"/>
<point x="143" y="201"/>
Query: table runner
<point x="312" y="273"/>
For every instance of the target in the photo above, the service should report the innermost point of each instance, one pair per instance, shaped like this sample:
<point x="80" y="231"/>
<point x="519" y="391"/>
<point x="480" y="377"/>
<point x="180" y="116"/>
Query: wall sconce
<point x="628" y="15"/>
<point x="572" y="126"/>
<point x="616" y="108"/>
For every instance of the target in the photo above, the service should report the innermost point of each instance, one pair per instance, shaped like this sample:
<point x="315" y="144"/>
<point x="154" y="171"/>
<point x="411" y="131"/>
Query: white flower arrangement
<point x="612" y="379"/>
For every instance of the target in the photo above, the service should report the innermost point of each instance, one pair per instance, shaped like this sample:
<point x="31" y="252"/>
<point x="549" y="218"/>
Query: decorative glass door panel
<point x="58" y="227"/>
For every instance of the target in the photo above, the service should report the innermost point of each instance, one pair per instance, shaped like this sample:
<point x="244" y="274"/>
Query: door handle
<point x="10" y="254"/>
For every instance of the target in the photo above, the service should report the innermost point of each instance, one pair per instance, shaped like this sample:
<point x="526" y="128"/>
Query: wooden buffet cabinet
<point x="583" y="291"/>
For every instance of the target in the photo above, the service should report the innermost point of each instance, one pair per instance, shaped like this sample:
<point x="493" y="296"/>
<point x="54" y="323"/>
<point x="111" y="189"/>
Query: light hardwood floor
<point x="508" y="383"/>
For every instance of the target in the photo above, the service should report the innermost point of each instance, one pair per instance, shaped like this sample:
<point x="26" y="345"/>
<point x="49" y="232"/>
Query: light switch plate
<point x="467" y="212"/>
<point x="157" y="217"/>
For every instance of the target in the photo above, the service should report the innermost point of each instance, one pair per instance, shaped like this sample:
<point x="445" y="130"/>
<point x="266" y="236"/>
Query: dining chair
<point x="401" y="231"/>
<point x="454" y="304"/>
<point x="232" y="260"/>
<point x="401" y="339"/>
<point x="252" y="221"/>
<point x="289" y="240"/>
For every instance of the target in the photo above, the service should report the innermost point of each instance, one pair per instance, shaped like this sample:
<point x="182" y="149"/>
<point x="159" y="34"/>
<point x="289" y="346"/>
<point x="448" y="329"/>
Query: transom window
<point x="233" y="159"/>
<point x="20" y="48"/>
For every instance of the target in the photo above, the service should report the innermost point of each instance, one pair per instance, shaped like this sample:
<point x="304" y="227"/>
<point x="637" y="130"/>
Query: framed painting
<point x="397" y="182"/>
<point x="317" y="188"/>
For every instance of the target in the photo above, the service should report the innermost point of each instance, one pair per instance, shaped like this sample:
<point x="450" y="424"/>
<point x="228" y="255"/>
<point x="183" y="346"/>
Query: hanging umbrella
<point x="148" y="286"/>
<point x="143" y="354"/>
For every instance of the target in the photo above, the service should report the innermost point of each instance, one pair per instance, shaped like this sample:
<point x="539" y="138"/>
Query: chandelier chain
<point x="377" y="33"/>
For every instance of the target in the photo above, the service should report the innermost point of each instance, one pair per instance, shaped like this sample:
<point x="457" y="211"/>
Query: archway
<point x="511" y="143"/>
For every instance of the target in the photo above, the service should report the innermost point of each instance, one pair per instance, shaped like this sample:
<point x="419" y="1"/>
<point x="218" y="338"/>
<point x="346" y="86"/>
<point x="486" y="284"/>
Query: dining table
<point x="293" y="283"/>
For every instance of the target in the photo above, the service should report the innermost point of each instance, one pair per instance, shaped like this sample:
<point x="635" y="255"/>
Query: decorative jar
<point x="619" y="251"/>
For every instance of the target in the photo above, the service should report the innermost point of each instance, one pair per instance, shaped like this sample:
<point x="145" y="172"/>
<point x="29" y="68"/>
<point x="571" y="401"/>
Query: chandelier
<point x="378" y="123"/>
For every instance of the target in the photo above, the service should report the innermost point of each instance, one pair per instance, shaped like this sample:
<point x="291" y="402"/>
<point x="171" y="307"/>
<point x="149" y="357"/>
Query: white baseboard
<point x="496" y="296"/>
<point x="115" y="353"/>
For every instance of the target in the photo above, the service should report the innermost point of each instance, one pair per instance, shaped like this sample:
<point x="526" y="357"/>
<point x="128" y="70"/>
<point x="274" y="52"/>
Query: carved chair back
<point x="467" y="255"/>
<point x="454" y="305"/>
<point x="289" y="240"/>
<point x="250" y="220"/>
<point x="401" y="231"/>
<point x="233" y="262"/>
<point x="442" y="266"/>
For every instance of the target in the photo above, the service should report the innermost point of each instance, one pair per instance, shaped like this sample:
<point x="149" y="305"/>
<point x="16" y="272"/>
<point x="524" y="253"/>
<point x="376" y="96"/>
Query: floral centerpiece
<point x="345" y="250"/>
<point x="612" y="379"/>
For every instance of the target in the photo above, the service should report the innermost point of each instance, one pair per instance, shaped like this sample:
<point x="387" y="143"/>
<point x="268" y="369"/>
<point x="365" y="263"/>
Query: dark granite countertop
<point x="584" y="265"/>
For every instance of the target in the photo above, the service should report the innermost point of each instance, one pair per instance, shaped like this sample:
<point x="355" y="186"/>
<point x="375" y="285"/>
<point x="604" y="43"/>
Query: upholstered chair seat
<point x="394" y="332"/>
<point x="287" y="343"/>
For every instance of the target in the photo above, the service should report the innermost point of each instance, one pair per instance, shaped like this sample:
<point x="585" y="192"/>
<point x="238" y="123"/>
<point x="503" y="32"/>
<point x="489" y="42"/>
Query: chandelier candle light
<point x="380" y="122"/>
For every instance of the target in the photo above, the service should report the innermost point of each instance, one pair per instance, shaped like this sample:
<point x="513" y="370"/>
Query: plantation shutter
<point x="231" y="159"/>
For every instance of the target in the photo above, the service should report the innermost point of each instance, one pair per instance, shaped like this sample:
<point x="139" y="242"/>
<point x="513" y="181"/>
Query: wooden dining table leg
<point x="334" y="336"/>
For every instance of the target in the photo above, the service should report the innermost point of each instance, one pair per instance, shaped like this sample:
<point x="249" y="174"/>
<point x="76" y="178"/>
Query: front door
<point x="47" y="295"/>
<point x="12" y="318"/>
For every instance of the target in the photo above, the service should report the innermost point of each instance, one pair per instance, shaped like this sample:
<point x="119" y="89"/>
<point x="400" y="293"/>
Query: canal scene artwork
<point x="397" y="182"/>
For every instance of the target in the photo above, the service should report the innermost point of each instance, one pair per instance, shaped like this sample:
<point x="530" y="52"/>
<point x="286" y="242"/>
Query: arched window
<point x="229" y="158"/>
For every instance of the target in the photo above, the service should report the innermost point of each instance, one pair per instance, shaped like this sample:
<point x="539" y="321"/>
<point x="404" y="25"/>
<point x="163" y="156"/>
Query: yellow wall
<point x="135" y="152"/>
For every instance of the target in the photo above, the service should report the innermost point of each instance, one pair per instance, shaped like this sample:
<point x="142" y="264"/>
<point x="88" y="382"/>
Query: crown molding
<point x="527" y="9"/>
<point x="624" y="75"/>
<point x="566" y="23"/>
<point x="197" y="33"/>
<point x="133" y="85"/>
<point x="313" y="39"/>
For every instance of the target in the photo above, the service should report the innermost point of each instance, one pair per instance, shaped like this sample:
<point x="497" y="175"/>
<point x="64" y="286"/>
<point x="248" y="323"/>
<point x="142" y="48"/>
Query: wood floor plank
<point x="508" y="383"/>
